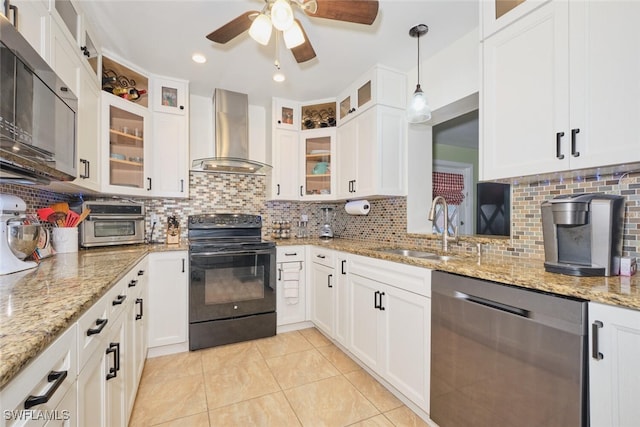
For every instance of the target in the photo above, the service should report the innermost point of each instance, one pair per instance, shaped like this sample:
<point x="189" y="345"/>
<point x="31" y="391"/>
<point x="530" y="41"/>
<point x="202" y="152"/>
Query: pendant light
<point x="278" y="76"/>
<point x="418" y="110"/>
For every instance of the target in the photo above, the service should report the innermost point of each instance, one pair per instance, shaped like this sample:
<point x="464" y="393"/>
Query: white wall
<point x="451" y="81"/>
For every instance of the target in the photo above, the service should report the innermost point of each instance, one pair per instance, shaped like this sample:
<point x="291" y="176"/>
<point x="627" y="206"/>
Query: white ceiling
<point x="160" y="36"/>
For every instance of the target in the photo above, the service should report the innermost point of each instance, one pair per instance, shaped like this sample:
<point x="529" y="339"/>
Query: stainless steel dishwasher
<point x="506" y="356"/>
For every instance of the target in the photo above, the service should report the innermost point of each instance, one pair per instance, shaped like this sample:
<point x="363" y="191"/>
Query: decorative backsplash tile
<point x="386" y="222"/>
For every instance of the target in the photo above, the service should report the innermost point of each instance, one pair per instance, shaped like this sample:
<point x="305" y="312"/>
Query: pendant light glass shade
<point x="281" y="15"/>
<point x="260" y="29"/>
<point x="293" y="36"/>
<point x="418" y="110"/>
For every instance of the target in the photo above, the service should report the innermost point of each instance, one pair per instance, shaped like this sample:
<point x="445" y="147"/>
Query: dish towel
<point x="291" y="282"/>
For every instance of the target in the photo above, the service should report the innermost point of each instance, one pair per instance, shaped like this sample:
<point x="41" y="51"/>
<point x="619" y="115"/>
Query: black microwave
<point x="37" y="114"/>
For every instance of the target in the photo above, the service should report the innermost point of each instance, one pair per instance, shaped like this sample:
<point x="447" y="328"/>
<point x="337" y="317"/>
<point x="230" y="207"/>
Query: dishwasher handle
<point x="493" y="304"/>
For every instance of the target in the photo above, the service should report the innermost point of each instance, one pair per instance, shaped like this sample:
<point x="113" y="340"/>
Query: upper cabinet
<point x="497" y="14"/>
<point x="379" y="85"/>
<point x="286" y="114"/>
<point x="170" y="95"/>
<point x="549" y="99"/>
<point x="31" y="18"/>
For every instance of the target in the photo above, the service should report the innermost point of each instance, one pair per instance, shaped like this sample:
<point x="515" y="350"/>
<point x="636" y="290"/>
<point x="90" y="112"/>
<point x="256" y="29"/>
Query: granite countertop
<point x="37" y="305"/>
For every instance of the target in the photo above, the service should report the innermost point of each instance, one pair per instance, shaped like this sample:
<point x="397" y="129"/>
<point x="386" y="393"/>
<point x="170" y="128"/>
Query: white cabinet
<point x="286" y="114"/>
<point x="614" y="373"/>
<point x="33" y="22"/>
<point x="44" y="385"/>
<point x="170" y="96"/>
<point x="342" y="300"/>
<point x="286" y="160"/>
<point x="571" y="113"/>
<point x="168" y="298"/>
<point x="318" y="164"/>
<point x="170" y="156"/>
<point x="64" y="59"/>
<point x="389" y="321"/>
<point x="116" y="351"/>
<point x="125" y="147"/>
<point x="371" y="153"/>
<point x="290" y="285"/>
<point x="379" y="85"/>
<point x="322" y="281"/>
<point x="89" y="167"/>
<point x="497" y="14"/>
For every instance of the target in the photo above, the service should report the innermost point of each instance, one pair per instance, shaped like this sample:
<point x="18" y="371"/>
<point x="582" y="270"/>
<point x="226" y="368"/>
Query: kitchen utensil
<point x="85" y="213"/>
<point x="57" y="218"/>
<point x="60" y="207"/>
<point x="72" y="219"/>
<point x="43" y="213"/>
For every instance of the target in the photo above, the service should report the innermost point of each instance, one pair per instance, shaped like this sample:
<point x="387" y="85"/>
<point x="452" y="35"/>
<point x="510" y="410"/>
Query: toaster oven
<point x="112" y="223"/>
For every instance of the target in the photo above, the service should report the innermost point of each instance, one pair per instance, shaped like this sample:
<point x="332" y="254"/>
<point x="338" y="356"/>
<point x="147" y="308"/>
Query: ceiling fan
<point x="279" y="15"/>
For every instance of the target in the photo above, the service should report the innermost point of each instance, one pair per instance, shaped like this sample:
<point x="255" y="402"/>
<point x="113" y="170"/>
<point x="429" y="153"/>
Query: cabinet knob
<point x="182" y="107"/>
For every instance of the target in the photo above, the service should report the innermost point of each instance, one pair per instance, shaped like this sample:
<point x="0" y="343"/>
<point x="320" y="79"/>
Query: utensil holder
<point x="65" y="239"/>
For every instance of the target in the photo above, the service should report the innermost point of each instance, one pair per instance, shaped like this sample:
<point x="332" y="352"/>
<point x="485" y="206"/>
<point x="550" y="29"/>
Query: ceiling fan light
<point x="278" y="76"/>
<point x="293" y="37"/>
<point x="418" y="110"/>
<point x="281" y="15"/>
<point x="260" y="29"/>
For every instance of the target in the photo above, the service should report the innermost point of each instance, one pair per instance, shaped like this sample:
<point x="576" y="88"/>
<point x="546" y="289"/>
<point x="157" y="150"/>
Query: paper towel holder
<point x="357" y="207"/>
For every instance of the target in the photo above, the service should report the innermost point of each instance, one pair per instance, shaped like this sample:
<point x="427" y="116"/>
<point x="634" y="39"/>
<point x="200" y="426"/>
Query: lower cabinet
<point x="46" y="385"/>
<point x="342" y="304"/>
<point x="614" y="372"/>
<point x="168" y="298"/>
<point x="290" y="290"/>
<point x="322" y="281"/>
<point x="389" y="323"/>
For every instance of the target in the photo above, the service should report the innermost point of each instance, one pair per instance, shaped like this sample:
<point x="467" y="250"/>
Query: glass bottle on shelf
<point x="318" y="165"/>
<point x="126" y="148"/>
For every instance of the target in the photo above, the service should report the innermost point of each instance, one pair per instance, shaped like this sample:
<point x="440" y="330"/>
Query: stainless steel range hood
<point x="231" y="115"/>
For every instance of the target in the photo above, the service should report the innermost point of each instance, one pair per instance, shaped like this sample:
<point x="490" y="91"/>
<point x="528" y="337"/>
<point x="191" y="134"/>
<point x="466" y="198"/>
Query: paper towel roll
<point x="357" y="207"/>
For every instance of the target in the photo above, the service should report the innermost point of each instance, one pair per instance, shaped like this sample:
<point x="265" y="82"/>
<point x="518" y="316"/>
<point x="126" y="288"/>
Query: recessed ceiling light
<point x="199" y="58"/>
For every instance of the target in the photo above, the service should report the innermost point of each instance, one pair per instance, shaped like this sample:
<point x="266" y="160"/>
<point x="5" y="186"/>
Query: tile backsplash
<point x="385" y="223"/>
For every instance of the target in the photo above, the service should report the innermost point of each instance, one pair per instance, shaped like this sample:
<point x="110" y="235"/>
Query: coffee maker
<point x="583" y="234"/>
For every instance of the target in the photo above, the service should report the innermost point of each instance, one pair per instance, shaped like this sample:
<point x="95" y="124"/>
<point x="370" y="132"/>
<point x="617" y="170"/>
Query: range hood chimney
<point x="231" y="115"/>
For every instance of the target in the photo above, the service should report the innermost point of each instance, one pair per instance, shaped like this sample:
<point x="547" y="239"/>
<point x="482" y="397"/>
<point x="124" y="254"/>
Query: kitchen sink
<point x="415" y="254"/>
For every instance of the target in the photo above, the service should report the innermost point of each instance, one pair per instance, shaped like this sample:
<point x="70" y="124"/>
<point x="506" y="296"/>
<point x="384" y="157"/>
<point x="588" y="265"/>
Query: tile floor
<point x="293" y="379"/>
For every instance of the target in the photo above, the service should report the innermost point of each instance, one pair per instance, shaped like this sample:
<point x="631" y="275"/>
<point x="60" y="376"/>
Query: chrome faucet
<point x="445" y="232"/>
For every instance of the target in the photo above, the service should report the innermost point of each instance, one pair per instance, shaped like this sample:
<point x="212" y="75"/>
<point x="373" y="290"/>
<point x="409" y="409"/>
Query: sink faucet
<point x="445" y="232"/>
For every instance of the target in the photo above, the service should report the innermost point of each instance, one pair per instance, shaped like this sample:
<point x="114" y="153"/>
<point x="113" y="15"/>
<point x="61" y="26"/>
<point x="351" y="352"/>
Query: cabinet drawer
<point x="322" y="256"/>
<point x="289" y="253"/>
<point x="93" y="327"/>
<point x="51" y="374"/>
<point x="408" y="277"/>
<point x="116" y="298"/>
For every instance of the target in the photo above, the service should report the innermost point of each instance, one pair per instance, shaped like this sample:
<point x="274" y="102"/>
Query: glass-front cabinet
<point x="126" y="146"/>
<point x="318" y="164"/>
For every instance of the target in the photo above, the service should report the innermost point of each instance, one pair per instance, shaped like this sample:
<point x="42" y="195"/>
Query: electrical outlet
<point x="154" y="218"/>
<point x="304" y="218"/>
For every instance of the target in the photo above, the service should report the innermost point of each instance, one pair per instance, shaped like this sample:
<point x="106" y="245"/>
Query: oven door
<point x="231" y="284"/>
<point x="105" y="230"/>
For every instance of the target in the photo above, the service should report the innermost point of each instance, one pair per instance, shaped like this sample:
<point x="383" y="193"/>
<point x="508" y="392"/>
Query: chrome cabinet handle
<point x="594" y="340"/>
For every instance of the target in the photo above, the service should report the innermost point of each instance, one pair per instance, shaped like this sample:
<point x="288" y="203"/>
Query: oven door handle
<point x="112" y="217"/>
<point x="210" y="254"/>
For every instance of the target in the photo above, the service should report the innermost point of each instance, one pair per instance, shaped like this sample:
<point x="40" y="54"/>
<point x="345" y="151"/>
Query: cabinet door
<point x="605" y="95"/>
<point x="88" y="132"/>
<point x="285" y="175"/>
<point x="125" y="136"/>
<point x="170" y="156"/>
<point x="342" y="303"/>
<point x="92" y="390"/>
<point x="365" y="334"/>
<point x="322" y="298"/>
<point x="497" y="14"/>
<point x="291" y="301"/>
<point x="170" y="96"/>
<point x="66" y="411"/>
<point x="407" y="350"/>
<point x="115" y="361"/>
<point x="347" y="152"/>
<point x="135" y="337"/>
<point x="614" y="373"/>
<point x="168" y="298"/>
<point x="33" y="24"/>
<point x="64" y="58"/>
<point x="286" y="114"/>
<point x="525" y="96"/>
<point x="318" y="164"/>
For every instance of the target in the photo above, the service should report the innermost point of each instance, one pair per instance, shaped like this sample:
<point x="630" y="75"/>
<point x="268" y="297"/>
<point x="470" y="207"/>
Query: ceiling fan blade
<point x="304" y="52"/>
<point x="357" y="11"/>
<point x="233" y="28"/>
